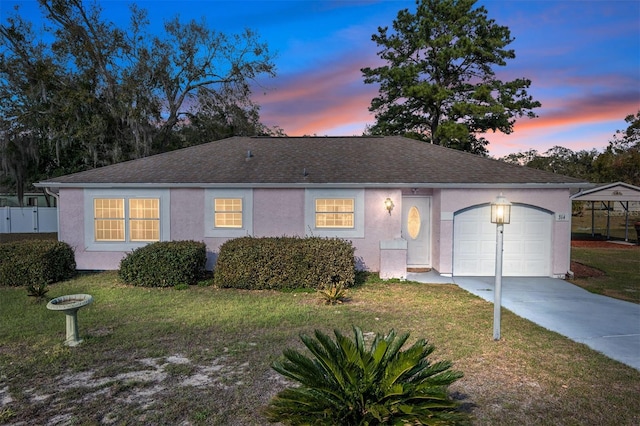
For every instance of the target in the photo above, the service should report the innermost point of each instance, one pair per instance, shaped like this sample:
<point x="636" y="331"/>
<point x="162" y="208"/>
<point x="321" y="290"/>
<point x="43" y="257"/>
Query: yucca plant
<point x="346" y="383"/>
<point x="333" y="294"/>
<point x="38" y="290"/>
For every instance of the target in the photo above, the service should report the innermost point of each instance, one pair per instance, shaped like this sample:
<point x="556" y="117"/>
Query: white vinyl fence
<point x="32" y="219"/>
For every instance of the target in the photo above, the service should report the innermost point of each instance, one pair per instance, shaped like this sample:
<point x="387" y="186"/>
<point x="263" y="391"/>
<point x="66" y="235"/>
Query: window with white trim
<point x="121" y="220"/>
<point x="335" y="212"/>
<point x="141" y="224"/>
<point x="228" y="212"/>
<point x="108" y="219"/>
<point x="144" y="219"/>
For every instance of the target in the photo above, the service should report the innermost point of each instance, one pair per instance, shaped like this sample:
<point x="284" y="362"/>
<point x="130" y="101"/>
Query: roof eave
<point x="456" y="185"/>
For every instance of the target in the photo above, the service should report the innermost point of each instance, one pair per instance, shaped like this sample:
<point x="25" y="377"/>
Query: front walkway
<point x="607" y="325"/>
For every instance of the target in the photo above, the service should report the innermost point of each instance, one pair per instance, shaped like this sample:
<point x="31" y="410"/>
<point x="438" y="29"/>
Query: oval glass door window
<point x="413" y="222"/>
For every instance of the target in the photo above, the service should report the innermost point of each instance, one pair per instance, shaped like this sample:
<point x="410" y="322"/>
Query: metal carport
<point x="620" y="192"/>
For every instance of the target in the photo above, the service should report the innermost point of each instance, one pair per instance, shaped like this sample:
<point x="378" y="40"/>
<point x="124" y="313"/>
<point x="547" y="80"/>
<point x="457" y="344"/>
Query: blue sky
<point x="583" y="58"/>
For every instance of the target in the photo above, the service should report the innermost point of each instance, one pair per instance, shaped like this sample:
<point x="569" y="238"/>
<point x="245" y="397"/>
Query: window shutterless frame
<point x="228" y="213"/>
<point x="334" y="212"/>
<point x="123" y="220"/>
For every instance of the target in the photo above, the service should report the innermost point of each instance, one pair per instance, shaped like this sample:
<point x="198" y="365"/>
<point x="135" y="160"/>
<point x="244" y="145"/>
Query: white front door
<point x="416" y="229"/>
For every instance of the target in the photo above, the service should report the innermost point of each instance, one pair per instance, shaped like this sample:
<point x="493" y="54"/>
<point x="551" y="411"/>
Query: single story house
<point x="404" y="204"/>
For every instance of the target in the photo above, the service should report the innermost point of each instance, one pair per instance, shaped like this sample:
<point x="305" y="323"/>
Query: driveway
<point x="607" y="325"/>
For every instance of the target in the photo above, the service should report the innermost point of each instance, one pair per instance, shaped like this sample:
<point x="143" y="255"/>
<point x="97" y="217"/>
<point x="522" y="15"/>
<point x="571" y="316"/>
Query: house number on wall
<point x="413" y="222"/>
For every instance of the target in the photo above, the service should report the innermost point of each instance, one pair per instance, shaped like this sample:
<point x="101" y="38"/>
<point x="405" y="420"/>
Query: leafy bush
<point x="285" y="263"/>
<point x="35" y="262"/>
<point x="164" y="264"/>
<point x="346" y="383"/>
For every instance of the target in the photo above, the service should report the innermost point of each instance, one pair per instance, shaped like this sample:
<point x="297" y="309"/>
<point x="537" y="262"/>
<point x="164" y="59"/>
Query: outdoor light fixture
<point x="500" y="214"/>
<point x="388" y="204"/>
<point x="501" y="210"/>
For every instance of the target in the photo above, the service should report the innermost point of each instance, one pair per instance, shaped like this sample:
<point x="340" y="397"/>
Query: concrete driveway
<point x="607" y="325"/>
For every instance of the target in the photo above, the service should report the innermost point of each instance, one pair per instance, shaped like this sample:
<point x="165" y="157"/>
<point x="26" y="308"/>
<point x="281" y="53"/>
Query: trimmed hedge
<point x="285" y="263"/>
<point x="35" y="262"/>
<point x="164" y="264"/>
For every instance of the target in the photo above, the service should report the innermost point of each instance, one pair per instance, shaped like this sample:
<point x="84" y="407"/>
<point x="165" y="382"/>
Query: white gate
<point x="33" y="219"/>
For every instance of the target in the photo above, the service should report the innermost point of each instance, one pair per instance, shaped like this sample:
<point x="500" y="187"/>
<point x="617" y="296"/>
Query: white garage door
<point x="527" y="243"/>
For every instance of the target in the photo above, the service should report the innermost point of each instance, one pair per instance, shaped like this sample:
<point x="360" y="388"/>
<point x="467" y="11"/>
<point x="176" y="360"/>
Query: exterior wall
<point x="276" y="213"/>
<point x="436" y="230"/>
<point x="187" y="221"/>
<point x="554" y="200"/>
<point x="71" y="231"/>
<point x="280" y="212"/>
<point x="379" y="226"/>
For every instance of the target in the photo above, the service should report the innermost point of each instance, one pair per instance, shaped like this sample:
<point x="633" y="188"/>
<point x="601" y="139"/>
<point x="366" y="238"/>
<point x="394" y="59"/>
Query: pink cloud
<point x="324" y="98"/>
<point x="578" y="111"/>
<point x="562" y="112"/>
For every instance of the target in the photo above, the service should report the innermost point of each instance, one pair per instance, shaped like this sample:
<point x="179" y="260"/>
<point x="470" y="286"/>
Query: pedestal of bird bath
<point x="70" y="305"/>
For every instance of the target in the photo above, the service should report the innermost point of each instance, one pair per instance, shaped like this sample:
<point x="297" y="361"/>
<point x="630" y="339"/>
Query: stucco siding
<point x="187" y="214"/>
<point x="379" y="225"/>
<point x="71" y="218"/>
<point x="555" y="201"/>
<point x="71" y="231"/>
<point x="436" y="225"/>
<point x="281" y="212"/>
<point x="278" y="212"/>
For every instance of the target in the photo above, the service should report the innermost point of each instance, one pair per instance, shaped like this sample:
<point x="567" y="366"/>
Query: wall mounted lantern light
<point x="500" y="215"/>
<point x="388" y="204"/>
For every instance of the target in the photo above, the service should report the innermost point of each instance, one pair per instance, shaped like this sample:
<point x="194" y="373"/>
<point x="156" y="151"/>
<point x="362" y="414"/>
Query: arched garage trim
<point x="528" y="241"/>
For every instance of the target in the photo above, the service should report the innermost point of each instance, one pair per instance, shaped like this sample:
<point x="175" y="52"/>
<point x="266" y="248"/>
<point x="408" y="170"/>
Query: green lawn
<point x="203" y="355"/>
<point x="621" y="267"/>
<point x="581" y="226"/>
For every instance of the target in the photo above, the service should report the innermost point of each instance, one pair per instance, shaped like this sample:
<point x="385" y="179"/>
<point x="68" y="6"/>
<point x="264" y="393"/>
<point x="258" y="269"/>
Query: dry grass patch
<point x="202" y="356"/>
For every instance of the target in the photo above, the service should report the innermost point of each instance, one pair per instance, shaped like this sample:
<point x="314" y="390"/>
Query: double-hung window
<point x="228" y="212"/>
<point x="144" y="219"/>
<point x="108" y="217"/>
<point x="122" y="220"/>
<point x="335" y="212"/>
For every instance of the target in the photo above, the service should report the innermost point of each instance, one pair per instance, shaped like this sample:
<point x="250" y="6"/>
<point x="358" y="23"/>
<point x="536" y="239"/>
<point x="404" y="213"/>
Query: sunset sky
<point x="583" y="58"/>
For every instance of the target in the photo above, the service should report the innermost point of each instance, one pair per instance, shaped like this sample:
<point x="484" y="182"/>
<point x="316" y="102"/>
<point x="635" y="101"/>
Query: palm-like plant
<point x="346" y="383"/>
<point x="37" y="290"/>
<point x="333" y="294"/>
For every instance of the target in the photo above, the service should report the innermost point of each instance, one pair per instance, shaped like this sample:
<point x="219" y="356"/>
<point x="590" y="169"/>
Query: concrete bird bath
<point x="70" y="305"/>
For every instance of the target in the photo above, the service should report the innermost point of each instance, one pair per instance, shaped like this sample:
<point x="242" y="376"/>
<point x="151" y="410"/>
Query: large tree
<point x="439" y="82"/>
<point x="621" y="159"/>
<point x="90" y="93"/>
<point x="558" y="159"/>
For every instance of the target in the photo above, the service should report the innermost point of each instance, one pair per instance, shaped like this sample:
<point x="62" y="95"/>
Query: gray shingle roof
<point x="313" y="160"/>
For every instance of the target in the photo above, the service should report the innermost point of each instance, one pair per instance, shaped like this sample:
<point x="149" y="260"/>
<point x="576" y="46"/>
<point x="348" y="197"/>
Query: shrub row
<point x="35" y="262"/>
<point x="285" y="263"/>
<point x="164" y="264"/>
